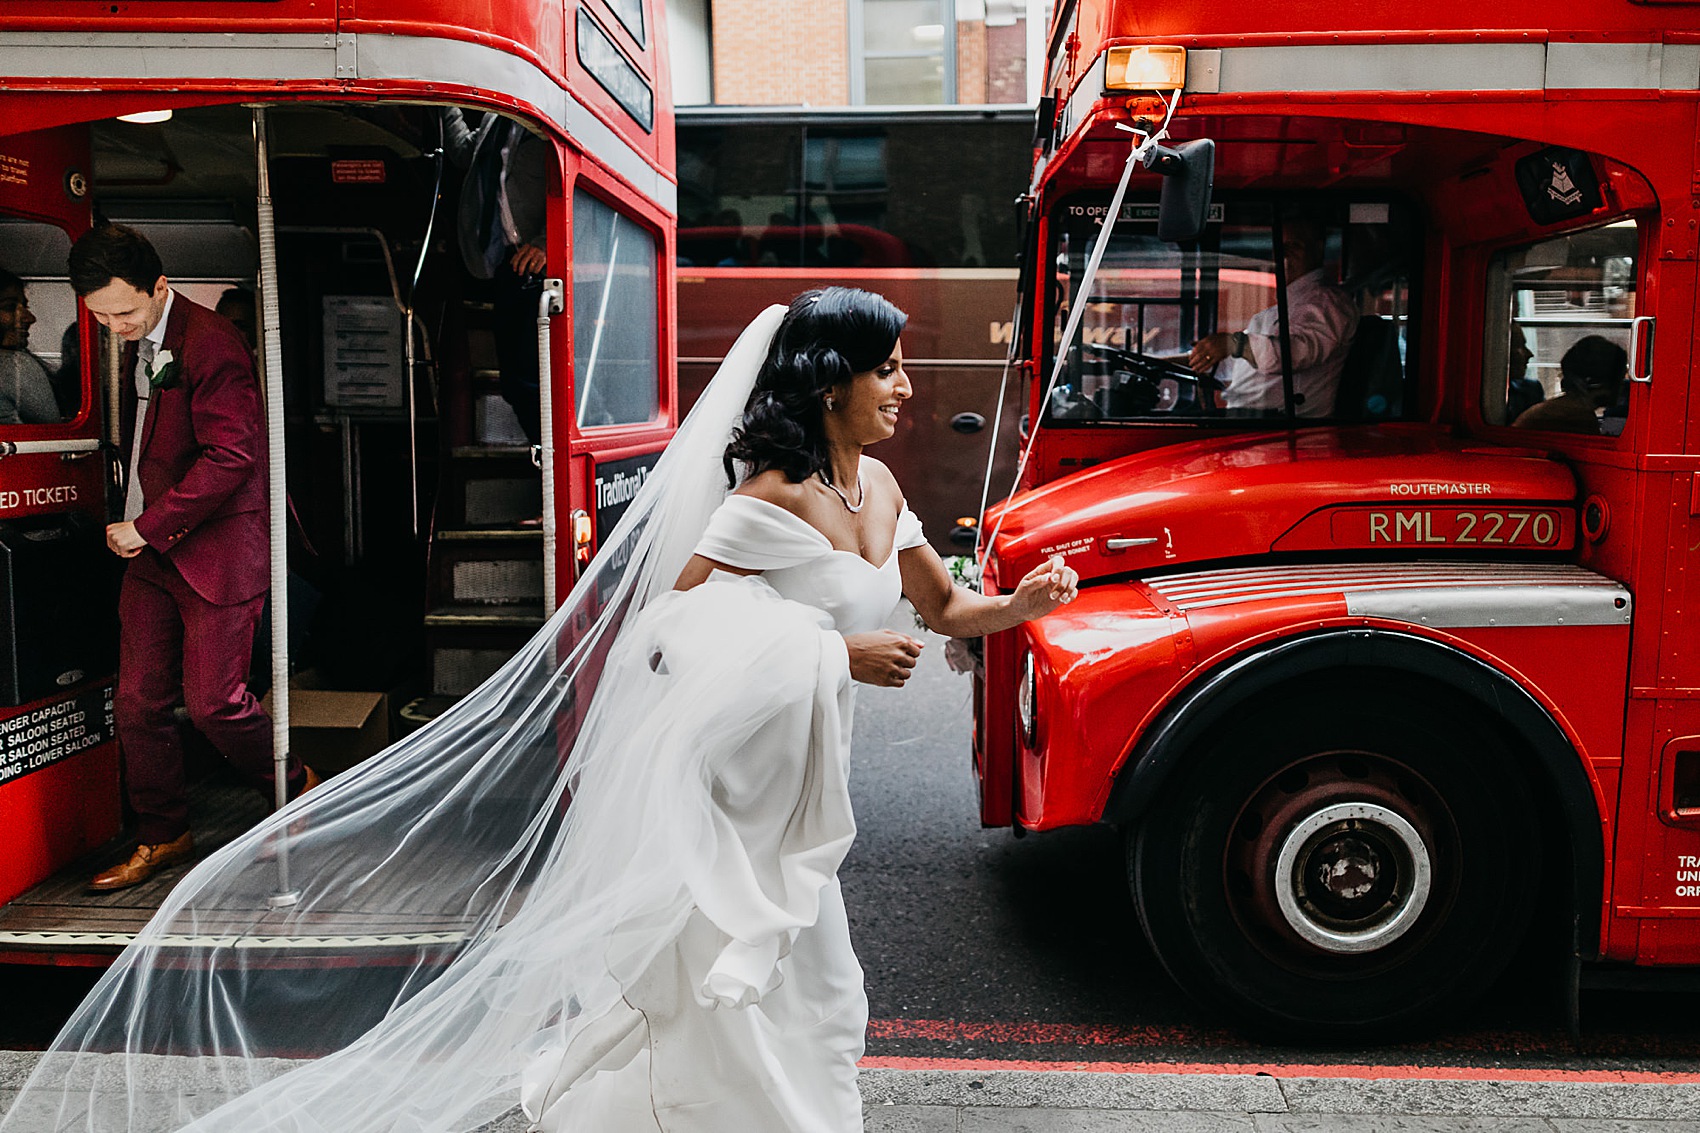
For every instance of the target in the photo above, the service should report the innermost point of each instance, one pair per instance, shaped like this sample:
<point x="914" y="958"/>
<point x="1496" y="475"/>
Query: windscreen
<point x="1202" y="330"/>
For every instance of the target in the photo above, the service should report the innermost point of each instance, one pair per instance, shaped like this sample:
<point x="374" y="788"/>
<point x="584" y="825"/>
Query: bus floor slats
<point x="61" y="916"/>
<point x="218" y="812"/>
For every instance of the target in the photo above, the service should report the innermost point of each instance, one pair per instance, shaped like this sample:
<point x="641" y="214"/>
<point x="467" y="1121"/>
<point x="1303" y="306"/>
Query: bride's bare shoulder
<point x="878" y="477"/>
<point x="877" y="473"/>
<point x="775" y="487"/>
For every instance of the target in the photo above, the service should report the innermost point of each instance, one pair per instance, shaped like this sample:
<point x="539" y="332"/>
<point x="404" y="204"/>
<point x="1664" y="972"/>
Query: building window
<point x="903" y="52"/>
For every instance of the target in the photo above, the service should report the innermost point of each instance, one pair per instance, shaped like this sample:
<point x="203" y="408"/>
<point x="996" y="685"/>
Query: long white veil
<point x="467" y="898"/>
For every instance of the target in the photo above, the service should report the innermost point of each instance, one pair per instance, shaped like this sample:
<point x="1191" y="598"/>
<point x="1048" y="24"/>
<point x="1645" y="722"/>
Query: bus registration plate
<point x="1449" y="527"/>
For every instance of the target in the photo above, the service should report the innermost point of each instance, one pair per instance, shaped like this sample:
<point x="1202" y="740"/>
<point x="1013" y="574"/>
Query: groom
<point x="195" y="536"/>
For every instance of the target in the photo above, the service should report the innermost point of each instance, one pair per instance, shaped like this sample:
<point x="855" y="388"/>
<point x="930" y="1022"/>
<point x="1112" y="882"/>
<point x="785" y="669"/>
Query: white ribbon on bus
<point x="1146" y="143"/>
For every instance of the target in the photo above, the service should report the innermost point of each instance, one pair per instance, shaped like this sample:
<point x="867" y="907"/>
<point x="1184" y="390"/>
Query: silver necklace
<point x="860" y="492"/>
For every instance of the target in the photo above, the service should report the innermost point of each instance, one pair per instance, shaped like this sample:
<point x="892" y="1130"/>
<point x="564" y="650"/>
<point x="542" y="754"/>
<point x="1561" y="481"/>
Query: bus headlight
<point x="1027" y="701"/>
<point x="1153" y="67"/>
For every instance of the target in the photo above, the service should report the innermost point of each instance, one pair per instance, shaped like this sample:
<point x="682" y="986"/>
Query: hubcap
<point x="1352" y="877"/>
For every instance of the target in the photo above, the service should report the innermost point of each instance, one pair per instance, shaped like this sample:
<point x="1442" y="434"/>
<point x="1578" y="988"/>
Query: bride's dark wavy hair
<point x="828" y="336"/>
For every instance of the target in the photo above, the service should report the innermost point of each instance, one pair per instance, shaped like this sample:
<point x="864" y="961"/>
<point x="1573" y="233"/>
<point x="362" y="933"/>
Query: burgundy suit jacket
<point x="203" y="459"/>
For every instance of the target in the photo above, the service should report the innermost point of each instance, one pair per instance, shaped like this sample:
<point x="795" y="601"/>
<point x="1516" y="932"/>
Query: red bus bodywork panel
<point x="1110" y="664"/>
<point x="1251" y="494"/>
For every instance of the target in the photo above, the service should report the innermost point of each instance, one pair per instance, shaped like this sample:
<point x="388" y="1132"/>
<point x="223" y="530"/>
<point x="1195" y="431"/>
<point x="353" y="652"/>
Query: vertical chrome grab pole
<point x="277" y="497"/>
<point x="412" y="430"/>
<point x="551" y="302"/>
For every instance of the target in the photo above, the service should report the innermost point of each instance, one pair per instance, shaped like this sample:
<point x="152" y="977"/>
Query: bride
<point x="644" y="934"/>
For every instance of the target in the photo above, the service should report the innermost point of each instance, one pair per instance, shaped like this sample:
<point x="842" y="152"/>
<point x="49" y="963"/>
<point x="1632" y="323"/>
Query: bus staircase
<point x="484" y="596"/>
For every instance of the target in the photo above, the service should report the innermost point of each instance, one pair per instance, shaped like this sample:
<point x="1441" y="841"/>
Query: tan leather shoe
<point x="147" y="860"/>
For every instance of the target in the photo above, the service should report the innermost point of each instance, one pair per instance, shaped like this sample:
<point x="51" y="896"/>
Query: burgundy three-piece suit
<point x="191" y="599"/>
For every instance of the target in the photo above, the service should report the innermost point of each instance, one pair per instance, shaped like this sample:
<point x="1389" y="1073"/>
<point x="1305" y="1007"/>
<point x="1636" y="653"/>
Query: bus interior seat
<point x="1373" y="373"/>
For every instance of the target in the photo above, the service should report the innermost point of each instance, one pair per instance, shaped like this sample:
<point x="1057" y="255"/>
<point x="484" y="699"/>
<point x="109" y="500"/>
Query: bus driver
<point x="195" y="536"/>
<point x="1321" y="322"/>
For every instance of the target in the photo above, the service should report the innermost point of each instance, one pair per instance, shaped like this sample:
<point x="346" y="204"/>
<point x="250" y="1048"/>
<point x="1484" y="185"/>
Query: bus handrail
<point x="74" y="444"/>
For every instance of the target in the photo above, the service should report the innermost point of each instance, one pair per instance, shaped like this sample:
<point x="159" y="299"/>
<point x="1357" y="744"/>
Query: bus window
<point x="1558" y="321"/>
<point x="616" y="342"/>
<point x="1194" y="331"/>
<point x="40" y="375"/>
<point x="869" y="193"/>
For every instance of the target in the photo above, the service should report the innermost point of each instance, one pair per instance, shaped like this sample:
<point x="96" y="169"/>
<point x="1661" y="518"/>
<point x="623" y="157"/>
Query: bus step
<point x="468" y="575"/>
<point x="518" y="533"/>
<point x="493" y="452"/>
<point x="527" y="616"/>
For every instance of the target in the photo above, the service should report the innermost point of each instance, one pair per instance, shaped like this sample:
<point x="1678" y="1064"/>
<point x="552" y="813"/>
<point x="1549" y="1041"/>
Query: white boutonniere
<point x="162" y="371"/>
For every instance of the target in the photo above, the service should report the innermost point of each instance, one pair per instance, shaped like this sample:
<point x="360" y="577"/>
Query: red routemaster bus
<point x="918" y="204"/>
<point x="1384" y="493"/>
<point x="296" y="150"/>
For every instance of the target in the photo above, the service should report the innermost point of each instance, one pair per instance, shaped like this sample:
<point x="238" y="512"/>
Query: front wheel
<point x="1341" y="862"/>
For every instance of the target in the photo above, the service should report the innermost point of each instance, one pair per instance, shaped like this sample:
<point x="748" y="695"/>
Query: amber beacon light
<point x="582" y="538"/>
<point x="1145" y="67"/>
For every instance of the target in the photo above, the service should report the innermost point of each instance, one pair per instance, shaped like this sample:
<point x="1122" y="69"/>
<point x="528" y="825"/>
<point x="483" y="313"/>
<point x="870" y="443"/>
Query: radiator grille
<point x="1205" y="589"/>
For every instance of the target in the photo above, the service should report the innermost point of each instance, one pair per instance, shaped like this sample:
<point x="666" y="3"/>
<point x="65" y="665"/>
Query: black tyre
<point x="1343" y="861"/>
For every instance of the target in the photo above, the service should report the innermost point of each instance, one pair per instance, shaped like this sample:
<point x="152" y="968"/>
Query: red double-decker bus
<point x="916" y="203"/>
<point x="1382" y="488"/>
<point x="305" y="154"/>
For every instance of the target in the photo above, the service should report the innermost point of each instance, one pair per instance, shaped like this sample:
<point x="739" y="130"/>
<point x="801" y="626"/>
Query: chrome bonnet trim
<point x="1442" y="595"/>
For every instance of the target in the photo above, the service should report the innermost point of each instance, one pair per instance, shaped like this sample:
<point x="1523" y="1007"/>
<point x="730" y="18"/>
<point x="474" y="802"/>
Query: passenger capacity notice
<point x="43" y="736"/>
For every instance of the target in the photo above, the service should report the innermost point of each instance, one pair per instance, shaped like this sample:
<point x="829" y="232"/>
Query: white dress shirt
<point x="1321" y="322"/>
<point x="133" y="502"/>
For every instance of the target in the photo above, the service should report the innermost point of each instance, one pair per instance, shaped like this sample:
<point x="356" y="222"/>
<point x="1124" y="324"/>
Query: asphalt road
<point x="983" y="950"/>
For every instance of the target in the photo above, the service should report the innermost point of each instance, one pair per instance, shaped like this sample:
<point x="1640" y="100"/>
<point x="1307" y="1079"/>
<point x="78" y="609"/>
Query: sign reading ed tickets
<point x="13" y="498"/>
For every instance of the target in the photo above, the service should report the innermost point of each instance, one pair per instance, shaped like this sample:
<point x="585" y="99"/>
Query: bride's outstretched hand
<point x="1047" y="586"/>
<point x="883" y="657"/>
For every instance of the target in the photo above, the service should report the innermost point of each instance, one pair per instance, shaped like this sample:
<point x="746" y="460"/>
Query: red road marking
<point x="1070" y="1034"/>
<point x="1297" y="1070"/>
<point x="1066" y="1034"/>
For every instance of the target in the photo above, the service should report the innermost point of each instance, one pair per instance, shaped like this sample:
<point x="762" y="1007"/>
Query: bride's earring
<point x="829" y="404"/>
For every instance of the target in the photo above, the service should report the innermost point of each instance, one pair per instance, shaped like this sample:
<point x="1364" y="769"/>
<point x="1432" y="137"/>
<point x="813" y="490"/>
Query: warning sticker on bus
<point x="43" y="736"/>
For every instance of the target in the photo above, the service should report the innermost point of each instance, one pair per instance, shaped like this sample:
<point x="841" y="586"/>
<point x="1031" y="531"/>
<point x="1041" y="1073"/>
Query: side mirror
<point x="1188" y="170"/>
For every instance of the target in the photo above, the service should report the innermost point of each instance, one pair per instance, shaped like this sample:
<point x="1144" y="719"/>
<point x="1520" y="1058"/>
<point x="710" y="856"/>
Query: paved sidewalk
<point x="1063" y="1101"/>
<point x="1054" y="1101"/>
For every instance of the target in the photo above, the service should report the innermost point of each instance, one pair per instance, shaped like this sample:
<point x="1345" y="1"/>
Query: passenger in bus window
<point x="237" y="305"/>
<point x="26" y="388"/>
<point x="503" y="229"/>
<point x="195" y="536"/>
<point x="1591" y="375"/>
<point x="1321" y="322"/>
<point x="1521" y="391"/>
<point x="68" y="378"/>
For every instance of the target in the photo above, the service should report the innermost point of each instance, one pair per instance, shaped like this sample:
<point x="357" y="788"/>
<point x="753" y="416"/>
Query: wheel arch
<point x="1213" y="700"/>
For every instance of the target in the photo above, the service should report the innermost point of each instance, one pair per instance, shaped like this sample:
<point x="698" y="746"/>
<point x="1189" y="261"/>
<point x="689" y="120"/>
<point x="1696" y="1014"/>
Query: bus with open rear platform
<point x="1383" y="490"/>
<point x="426" y="538"/>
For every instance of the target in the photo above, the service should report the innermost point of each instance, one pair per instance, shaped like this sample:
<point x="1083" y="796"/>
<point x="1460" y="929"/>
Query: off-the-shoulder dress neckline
<point x="821" y="535"/>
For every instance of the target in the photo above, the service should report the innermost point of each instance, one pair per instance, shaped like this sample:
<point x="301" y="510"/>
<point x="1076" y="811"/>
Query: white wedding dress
<point x="753" y="1018"/>
<point x="602" y="885"/>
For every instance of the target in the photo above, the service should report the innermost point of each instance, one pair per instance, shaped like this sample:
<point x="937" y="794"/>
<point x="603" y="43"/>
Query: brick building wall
<point x="970" y="61"/>
<point x="781" y="52"/>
